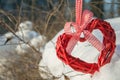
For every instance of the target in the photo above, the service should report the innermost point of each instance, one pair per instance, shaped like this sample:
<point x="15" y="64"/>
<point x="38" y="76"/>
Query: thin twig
<point x="50" y="15"/>
<point x="71" y="16"/>
<point x="19" y="17"/>
<point x="12" y="31"/>
<point x="98" y="9"/>
<point x="103" y="2"/>
<point x="8" y="15"/>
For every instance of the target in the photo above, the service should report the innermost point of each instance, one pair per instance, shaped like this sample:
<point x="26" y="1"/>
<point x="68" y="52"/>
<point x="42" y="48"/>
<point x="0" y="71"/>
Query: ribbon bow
<point x="82" y="20"/>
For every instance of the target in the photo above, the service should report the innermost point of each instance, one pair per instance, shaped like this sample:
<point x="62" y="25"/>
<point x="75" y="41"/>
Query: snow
<point x="26" y="25"/>
<point x="12" y="48"/>
<point x="108" y="72"/>
<point x="52" y="59"/>
<point x="85" y="52"/>
<point x="39" y="43"/>
<point x="12" y="44"/>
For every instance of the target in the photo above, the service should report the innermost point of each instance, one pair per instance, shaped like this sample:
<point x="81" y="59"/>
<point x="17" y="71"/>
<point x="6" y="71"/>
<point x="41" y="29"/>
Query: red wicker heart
<point x="77" y="64"/>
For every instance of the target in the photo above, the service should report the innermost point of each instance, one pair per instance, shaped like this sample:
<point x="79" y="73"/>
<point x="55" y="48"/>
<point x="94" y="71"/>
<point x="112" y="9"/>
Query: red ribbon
<point x="82" y="20"/>
<point x="66" y="42"/>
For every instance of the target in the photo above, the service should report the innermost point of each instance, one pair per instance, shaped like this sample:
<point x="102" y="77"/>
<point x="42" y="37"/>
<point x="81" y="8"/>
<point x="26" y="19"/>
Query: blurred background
<point x="49" y="16"/>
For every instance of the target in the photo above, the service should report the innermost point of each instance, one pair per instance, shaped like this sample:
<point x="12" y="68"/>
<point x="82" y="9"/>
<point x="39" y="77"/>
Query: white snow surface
<point x="28" y="35"/>
<point x="15" y="48"/>
<point x="85" y="52"/>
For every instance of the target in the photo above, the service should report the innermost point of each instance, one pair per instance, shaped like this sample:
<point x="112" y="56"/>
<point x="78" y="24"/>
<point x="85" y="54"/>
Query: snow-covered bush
<point x="18" y="59"/>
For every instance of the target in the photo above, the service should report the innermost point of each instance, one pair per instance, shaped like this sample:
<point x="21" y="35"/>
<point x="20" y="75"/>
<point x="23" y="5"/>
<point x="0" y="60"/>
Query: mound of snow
<point x="13" y="58"/>
<point x="86" y="52"/>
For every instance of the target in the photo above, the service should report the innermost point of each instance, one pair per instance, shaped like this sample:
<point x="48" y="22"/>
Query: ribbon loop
<point x="86" y="17"/>
<point x="82" y="20"/>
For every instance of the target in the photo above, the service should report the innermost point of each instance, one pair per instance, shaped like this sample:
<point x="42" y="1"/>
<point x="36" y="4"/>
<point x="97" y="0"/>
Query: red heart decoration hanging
<point x="105" y="56"/>
<point x="83" y="24"/>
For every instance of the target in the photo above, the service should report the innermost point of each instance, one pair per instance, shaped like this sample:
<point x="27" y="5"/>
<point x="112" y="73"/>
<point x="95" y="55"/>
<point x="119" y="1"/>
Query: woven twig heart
<point x="77" y="64"/>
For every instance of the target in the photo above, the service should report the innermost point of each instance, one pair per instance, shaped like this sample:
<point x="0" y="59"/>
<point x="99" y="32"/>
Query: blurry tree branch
<point x="50" y="15"/>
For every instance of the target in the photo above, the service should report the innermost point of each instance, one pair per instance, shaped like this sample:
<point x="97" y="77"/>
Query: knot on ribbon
<point x="82" y="20"/>
<point x="79" y="27"/>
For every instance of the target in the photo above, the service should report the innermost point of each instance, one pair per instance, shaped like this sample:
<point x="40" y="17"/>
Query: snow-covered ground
<point x="13" y="51"/>
<point x="51" y="65"/>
